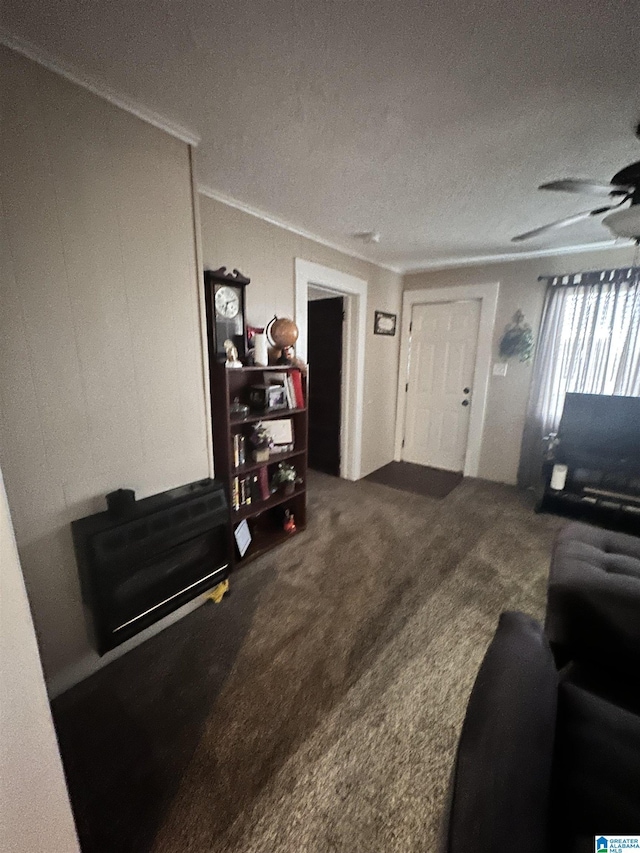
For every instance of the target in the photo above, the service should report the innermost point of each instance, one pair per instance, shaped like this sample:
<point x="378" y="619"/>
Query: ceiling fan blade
<point x="577" y="185"/>
<point x="562" y="223"/>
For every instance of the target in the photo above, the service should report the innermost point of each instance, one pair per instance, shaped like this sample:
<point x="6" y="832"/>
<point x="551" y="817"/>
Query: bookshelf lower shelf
<point x="266" y="523"/>
<point x="262" y="543"/>
<point x="259" y="507"/>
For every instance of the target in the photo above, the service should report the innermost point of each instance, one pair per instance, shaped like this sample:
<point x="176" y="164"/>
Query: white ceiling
<point x="431" y="122"/>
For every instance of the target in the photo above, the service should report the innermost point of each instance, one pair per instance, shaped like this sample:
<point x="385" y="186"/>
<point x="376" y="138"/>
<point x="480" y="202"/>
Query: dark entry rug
<point x="418" y="479"/>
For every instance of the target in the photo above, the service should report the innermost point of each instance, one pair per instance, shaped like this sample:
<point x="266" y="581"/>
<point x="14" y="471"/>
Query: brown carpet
<point x="418" y="479"/>
<point x="317" y="709"/>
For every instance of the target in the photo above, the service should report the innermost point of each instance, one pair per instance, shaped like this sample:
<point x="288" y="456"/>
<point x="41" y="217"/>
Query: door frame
<point x="344" y="367"/>
<point x="487" y="294"/>
<point x="354" y="291"/>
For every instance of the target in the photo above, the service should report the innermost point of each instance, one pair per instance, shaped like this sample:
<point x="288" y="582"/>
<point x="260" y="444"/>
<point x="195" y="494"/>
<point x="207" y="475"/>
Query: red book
<point x="296" y="378"/>
<point x="263" y="481"/>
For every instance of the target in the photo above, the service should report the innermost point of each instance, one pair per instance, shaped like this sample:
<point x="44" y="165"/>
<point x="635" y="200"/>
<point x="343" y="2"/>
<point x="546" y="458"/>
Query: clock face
<point x="227" y="302"/>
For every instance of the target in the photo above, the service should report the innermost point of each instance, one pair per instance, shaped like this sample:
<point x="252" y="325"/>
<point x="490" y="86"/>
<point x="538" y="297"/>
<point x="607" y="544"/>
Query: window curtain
<point x="589" y="343"/>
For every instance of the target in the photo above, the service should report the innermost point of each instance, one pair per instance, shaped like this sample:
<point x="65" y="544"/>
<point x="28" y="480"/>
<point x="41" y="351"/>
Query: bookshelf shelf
<point x="266" y="416"/>
<point x="261" y="506"/>
<point x="260" y="545"/>
<point x="250" y="467"/>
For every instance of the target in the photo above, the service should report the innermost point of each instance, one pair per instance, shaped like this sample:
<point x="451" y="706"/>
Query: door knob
<point x="465" y="402"/>
<point x="466" y="390"/>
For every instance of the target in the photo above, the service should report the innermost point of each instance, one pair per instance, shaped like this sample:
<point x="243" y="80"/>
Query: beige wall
<point x="519" y="289"/>
<point x="35" y="815"/>
<point x="102" y="381"/>
<point x="266" y="253"/>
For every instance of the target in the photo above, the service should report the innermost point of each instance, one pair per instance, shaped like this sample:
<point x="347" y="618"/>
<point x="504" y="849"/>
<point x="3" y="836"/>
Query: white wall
<point x="102" y="381"/>
<point x="519" y="289"/>
<point x="35" y="815"/>
<point x="266" y="253"/>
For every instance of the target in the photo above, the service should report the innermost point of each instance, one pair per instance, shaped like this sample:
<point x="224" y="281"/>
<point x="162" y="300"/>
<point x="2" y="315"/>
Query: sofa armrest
<point x="499" y="798"/>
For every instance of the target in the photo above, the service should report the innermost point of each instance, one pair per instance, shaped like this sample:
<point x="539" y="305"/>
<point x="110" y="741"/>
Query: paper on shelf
<point x="243" y="537"/>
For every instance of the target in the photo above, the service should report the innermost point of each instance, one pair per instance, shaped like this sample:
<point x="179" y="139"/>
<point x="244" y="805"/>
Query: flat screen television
<point x="598" y="428"/>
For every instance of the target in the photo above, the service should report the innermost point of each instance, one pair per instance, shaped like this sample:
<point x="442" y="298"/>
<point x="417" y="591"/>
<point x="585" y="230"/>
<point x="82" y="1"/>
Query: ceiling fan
<point x="622" y="222"/>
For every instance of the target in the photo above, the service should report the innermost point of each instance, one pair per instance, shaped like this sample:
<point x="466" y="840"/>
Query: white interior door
<point x="444" y="340"/>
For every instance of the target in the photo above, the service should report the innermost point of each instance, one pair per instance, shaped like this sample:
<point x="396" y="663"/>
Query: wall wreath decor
<point x="517" y="340"/>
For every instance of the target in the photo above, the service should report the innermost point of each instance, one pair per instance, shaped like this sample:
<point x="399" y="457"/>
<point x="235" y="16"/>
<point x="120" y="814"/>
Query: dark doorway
<point x="325" y="385"/>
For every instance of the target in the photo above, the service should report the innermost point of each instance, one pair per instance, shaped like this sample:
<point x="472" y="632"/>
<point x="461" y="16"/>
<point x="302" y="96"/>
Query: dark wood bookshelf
<point x="264" y="517"/>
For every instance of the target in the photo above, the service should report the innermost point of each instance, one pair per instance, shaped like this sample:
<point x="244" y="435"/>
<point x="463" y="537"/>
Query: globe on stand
<point x="282" y="334"/>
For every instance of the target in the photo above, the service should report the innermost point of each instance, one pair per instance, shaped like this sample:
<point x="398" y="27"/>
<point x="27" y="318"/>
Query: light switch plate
<point x="500" y="368"/>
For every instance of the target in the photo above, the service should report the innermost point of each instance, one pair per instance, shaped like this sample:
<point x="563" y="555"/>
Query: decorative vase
<point x="261" y="454"/>
<point x="289" y="488"/>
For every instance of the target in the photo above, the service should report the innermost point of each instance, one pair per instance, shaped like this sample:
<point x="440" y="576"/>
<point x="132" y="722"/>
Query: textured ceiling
<point x="432" y="123"/>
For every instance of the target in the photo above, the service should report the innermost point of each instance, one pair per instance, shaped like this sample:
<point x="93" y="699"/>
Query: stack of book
<point x="241" y="492"/>
<point x="239" y="450"/>
<point x="250" y="489"/>
<point x="292" y="382"/>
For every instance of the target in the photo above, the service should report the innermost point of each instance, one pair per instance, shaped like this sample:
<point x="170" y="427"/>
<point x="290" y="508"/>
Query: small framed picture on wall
<point x="384" y="324"/>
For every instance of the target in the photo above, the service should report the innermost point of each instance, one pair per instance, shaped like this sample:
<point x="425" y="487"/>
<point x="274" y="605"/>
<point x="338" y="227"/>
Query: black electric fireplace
<point x="140" y="560"/>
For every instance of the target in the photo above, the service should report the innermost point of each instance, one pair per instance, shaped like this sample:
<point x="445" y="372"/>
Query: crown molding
<point x="208" y="192"/>
<point x="409" y="269"/>
<point x="97" y="87"/>
<point x="510" y="257"/>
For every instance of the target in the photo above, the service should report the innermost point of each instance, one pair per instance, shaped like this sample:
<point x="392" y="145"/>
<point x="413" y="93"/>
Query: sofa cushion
<point x="500" y="785"/>
<point x="593" y="602"/>
<point x="596" y="786"/>
<point x="607" y="541"/>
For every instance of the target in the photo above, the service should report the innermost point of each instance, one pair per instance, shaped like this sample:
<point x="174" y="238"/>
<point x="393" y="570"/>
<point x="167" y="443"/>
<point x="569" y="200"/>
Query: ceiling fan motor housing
<point x="626" y="221"/>
<point x="629" y="177"/>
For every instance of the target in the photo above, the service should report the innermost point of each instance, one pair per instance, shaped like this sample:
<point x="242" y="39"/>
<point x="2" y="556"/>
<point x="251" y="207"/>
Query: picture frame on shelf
<point x="281" y="433"/>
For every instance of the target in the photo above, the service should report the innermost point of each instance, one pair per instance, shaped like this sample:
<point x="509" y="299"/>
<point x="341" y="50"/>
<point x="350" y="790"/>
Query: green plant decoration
<point x="517" y="340"/>
<point x="284" y="474"/>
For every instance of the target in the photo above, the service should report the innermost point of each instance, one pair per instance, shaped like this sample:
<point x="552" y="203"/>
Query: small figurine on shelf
<point x="232" y="354"/>
<point x="238" y="409"/>
<point x="289" y="525"/>
<point x="286" y="478"/>
<point x="261" y="442"/>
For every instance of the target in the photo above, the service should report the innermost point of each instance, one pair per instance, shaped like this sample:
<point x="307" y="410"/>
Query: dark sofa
<point x="549" y="754"/>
